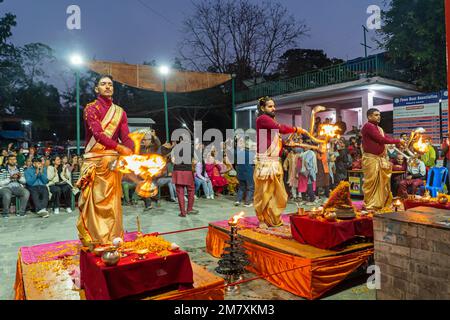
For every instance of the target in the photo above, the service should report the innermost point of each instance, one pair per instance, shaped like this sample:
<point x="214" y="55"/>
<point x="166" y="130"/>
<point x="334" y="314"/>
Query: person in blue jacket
<point x="36" y="178"/>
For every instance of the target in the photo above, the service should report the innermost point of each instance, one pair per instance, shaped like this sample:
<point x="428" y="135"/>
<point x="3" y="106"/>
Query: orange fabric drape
<point x="310" y="278"/>
<point x="206" y="287"/>
<point x="147" y="77"/>
<point x="19" y="288"/>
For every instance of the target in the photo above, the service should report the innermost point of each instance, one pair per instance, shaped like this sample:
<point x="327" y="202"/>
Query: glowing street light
<point x="184" y="125"/>
<point x="77" y="61"/>
<point x="164" y="70"/>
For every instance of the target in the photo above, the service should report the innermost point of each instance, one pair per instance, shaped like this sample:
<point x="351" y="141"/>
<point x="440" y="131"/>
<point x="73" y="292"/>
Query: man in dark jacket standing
<point x="245" y="168"/>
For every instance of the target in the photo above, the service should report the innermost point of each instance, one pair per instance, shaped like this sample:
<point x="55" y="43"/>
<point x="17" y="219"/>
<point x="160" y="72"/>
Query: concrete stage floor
<point x="16" y="232"/>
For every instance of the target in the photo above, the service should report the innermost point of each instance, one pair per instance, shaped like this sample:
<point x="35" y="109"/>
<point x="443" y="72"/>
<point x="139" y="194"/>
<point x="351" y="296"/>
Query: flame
<point x="420" y="146"/>
<point x="329" y="131"/>
<point x="147" y="165"/>
<point x="237" y="217"/>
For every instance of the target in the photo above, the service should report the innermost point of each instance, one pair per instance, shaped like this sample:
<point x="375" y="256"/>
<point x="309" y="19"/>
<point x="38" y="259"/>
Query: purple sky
<point x="129" y="31"/>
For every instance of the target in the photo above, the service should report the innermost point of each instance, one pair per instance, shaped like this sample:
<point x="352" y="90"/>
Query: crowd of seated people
<point x="42" y="184"/>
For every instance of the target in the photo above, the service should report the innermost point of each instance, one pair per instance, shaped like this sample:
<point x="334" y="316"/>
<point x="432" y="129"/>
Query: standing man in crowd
<point x="270" y="196"/>
<point x="101" y="189"/>
<point x="342" y="125"/>
<point x="376" y="167"/>
<point x="12" y="183"/>
<point x="245" y="168"/>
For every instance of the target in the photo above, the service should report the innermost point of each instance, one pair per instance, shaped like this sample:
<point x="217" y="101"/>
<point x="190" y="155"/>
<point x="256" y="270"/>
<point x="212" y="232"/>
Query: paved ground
<point x="16" y="232"/>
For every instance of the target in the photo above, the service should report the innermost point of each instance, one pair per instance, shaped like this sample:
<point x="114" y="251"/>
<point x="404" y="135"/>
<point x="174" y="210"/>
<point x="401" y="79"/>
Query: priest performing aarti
<point x="270" y="196"/>
<point x="107" y="138"/>
<point x="376" y="167"/>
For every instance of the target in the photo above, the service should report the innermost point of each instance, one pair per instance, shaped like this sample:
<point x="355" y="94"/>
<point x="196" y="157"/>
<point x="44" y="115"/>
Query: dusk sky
<point x="136" y="30"/>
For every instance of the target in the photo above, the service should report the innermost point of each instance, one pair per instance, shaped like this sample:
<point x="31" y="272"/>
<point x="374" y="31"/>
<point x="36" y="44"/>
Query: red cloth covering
<point x="265" y="122"/>
<point x="93" y="116"/>
<point x="373" y="141"/>
<point x="129" y="278"/>
<point x="329" y="235"/>
<point x="409" y="204"/>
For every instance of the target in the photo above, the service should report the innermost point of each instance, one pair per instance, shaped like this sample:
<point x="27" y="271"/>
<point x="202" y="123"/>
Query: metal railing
<point x="347" y="71"/>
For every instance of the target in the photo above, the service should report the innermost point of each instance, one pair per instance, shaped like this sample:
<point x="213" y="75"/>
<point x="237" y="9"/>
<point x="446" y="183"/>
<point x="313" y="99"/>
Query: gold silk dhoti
<point x="100" y="199"/>
<point x="270" y="197"/>
<point x="377" y="181"/>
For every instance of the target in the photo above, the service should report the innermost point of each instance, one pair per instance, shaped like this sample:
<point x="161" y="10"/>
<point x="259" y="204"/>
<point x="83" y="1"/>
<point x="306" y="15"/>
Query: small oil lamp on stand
<point x="397" y="204"/>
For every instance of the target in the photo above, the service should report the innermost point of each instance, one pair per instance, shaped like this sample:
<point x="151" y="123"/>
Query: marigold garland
<point x="153" y="244"/>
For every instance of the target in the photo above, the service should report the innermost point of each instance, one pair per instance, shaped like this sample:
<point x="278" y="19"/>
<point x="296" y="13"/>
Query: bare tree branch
<point x="238" y="36"/>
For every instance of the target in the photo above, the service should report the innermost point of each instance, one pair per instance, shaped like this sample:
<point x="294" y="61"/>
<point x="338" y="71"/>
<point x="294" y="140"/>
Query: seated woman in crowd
<point x="229" y="173"/>
<point x="202" y="179"/>
<point x="74" y="166"/>
<point x="357" y="161"/>
<point x="60" y="185"/>
<point x="213" y="168"/>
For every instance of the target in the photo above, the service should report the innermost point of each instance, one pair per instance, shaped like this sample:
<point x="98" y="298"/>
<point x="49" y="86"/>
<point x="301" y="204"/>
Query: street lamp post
<point x="164" y="70"/>
<point x="77" y="61"/>
<point x="233" y="101"/>
<point x="77" y="75"/>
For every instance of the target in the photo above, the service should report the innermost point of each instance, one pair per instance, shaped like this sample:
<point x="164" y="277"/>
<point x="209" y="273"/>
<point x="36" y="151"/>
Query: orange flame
<point x="237" y="217"/>
<point x="329" y="131"/>
<point x="147" y="165"/>
<point x="420" y="146"/>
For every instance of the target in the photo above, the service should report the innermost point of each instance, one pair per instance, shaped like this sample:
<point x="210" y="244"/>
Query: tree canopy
<point x="413" y="34"/>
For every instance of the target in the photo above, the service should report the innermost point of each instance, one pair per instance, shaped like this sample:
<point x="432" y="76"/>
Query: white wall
<point x="385" y="107"/>
<point x="350" y="117"/>
<point x="298" y="121"/>
<point x="284" y="118"/>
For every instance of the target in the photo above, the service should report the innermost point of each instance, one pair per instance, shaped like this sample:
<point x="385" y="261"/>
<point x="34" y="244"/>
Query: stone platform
<point x="412" y="250"/>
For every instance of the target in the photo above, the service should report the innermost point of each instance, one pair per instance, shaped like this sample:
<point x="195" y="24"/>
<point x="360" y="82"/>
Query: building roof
<point x="386" y="86"/>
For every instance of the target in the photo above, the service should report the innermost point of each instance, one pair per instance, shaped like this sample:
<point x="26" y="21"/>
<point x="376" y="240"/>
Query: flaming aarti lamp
<point x="234" y="259"/>
<point x="145" y="166"/>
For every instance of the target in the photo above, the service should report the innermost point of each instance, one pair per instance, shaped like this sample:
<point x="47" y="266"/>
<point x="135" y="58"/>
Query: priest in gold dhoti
<point x="270" y="197"/>
<point x="107" y="132"/>
<point x="377" y="169"/>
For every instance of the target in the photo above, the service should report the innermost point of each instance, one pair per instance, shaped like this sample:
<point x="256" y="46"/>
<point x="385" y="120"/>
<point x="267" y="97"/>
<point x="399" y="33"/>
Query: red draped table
<point x="409" y="204"/>
<point x="132" y="277"/>
<point x="329" y="235"/>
